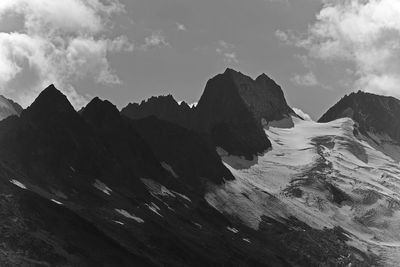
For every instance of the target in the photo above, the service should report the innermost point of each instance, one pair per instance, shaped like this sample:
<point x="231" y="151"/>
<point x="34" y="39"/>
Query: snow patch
<point x="59" y="194"/>
<point x="168" y="168"/>
<point x="246" y="240"/>
<point x="102" y="187"/>
<point x="129" y="215"/>
<point x="118" y="222"/>
<point x="157" y="189"/>
<point x="233" y="230"/>
<point x="198" y="225"/>
<point x="154" y="208"/>
<point x="18" y="183"/>
<point x="57" y="202"/>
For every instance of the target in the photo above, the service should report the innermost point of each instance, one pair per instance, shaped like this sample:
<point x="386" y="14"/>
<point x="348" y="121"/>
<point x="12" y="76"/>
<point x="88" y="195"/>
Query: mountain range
<point x="237" y="180"/>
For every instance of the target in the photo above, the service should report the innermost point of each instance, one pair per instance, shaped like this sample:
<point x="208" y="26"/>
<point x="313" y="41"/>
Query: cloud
<point x="60" y="42"/>
<point x="365" y="33"/>
<point x="282" y="36"/>
<point x="156" y="39"/>
<point x="226" y="50"/>
<point x="180" y="27"/>
<point x="307" y="79"/>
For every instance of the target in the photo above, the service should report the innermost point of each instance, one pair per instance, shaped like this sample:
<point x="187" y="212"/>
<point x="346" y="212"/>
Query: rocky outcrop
<point x="224" y="114"/>
<point x="8" y="108"/>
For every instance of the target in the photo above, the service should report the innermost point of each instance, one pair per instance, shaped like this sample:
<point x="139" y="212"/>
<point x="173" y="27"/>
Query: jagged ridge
<point x="229" y="112"/>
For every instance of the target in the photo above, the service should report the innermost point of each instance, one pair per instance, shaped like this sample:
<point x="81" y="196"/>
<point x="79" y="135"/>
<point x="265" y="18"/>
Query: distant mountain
<point x="372" y="113"/>
<point x="163" y="107"/>
<point x="8" y="108"/>
<point x="231" y="112"/>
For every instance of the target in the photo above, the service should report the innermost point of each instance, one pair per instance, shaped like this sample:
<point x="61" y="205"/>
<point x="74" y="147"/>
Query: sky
<point x="129" y="50"/>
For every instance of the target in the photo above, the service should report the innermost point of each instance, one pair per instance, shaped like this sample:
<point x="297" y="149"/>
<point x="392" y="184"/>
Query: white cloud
<point x="282" y="36"/>
<point x="181" y="27"/>
<point x="61" y="42"/>
<point x="156" y="39"/>
<point x="307" y="79"/>
<point x="363" y="32"/>
<point x="226" y="50"/>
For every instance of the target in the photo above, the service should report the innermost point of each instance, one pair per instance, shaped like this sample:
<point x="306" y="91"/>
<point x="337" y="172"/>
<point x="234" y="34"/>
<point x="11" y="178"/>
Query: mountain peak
<point x="264" y="77"/>
<point x="49" y="102"/>
<point x="229" y="70"/>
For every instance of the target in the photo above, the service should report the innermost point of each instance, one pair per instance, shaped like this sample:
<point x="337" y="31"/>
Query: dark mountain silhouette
<point x="163" y="107"/>
<point x="230" y="112"/>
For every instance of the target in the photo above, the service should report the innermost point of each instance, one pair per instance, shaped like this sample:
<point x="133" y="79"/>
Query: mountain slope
<point x="376" y="120"/>
<point x="8" y="108"/>
<point x="184" y="151"/>
<point x="340" y="174"/>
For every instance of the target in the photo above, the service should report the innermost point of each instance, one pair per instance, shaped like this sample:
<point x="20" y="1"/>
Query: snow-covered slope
<point x="324" y="176"/>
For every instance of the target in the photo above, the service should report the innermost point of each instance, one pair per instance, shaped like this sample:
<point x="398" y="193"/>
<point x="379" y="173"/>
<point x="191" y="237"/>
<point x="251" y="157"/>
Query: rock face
<point x="223" y="113"/>
<point x="230" y="112"/>
<point x="262" y="96"/>
<point x="8" y="108"/>
<point x="372" y="113"/>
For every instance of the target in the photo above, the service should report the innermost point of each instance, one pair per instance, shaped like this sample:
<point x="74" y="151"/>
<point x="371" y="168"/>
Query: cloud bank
<point x="365" y="33"/>
<point x="60" y="42"/>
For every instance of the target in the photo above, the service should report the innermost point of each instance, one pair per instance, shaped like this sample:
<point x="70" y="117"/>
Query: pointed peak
<point x="229" y="70"/>
<point x="51" y="87"/>
<point x="263" y="76"/>
<point x="50" y="101"/>
<point x="232" y="72"/>
<point x="52" y="93"/>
